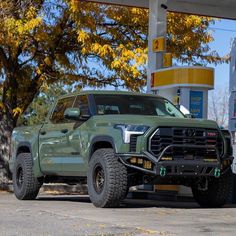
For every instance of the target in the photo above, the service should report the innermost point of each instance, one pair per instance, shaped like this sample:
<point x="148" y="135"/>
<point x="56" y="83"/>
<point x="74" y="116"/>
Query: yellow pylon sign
<point x="183" y="76"/>
<point x="167" y="60"/>
<point x="158" y="44"/>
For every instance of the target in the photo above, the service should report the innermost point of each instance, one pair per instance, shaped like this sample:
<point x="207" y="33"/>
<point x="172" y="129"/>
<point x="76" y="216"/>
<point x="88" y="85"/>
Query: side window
<point x="62" y="105"/>
<point x="81" y="102"/>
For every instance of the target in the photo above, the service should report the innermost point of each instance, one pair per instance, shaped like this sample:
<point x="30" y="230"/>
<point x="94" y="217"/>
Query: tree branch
<point x="3" y="58"/>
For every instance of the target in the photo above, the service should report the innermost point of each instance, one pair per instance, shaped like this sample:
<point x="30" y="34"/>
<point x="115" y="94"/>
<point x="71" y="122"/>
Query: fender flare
<point x="101" y="138"/>
<point x="36" y="161"/>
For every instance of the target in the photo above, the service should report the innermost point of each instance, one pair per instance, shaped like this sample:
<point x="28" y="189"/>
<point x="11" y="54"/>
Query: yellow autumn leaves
<point x="119" y="55"/>
<point x="102" y="35"/>
<point x="117" y="58"/>
<point x="17" y="31"/>
<point x="16" y="111"/>
<point x="189" y="37"/>
<point x="88" y="44"/>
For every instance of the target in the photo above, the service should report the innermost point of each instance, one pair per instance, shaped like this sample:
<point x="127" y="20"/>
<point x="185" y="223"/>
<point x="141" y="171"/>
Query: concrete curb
<point x="64" y="189"/>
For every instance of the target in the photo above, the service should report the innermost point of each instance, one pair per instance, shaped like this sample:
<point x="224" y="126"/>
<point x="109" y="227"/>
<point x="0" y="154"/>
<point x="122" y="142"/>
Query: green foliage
<point x="39" y="108"/>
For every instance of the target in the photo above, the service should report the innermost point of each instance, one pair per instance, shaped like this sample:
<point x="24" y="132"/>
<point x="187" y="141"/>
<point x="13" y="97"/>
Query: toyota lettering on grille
<point x="190" y="132"/>
<point x="211" y="134"/>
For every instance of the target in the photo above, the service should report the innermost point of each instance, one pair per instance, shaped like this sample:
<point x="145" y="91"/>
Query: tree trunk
<point x="8" y="120"/>
<point x="7" y="125"/>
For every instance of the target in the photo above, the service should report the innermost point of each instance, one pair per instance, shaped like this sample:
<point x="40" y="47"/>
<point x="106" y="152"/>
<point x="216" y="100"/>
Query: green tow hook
<point x="217" y="172"/>
<point x="162" y="171"/>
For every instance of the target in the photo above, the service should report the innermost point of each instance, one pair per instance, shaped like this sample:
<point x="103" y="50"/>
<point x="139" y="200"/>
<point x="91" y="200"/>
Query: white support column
<point x="157" y="28"/>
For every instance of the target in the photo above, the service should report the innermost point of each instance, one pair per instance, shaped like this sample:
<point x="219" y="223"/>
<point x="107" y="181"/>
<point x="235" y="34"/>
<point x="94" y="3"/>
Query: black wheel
<point x="26" y="186"/>
<point x="107" y="179"/>
<point x="218" y="192"/>
<point x="98" y="178"/>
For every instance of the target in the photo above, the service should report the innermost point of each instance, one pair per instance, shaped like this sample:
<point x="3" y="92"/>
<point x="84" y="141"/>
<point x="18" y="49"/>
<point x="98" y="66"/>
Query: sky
<point x="223" y="32"/>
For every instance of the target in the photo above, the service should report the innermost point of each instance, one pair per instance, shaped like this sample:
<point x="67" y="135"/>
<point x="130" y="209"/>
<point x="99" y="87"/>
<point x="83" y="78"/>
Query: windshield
<point x="135" y="105"/>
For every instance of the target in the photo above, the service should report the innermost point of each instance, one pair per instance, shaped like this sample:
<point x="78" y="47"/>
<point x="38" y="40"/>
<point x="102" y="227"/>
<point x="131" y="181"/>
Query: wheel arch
<point x="26" y="147"/>
<point x="101" y="141"/>
<point x="23" y="147"/>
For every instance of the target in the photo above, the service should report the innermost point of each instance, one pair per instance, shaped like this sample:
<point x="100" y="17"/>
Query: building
<point x="232" y="91"/>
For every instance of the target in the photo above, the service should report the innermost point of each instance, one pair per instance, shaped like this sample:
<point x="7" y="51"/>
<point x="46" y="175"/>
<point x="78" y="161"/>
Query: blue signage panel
<point x="196" y="103"/>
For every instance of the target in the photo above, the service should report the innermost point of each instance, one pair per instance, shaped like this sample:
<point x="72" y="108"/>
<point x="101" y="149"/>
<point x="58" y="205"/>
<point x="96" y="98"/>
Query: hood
<point x="153" y="121"/>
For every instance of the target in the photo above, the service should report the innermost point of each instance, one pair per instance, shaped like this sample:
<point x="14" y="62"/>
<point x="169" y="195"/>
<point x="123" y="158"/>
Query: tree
<point x="188" y="39"/>
<point x="38" y="110"/>
<point x="219" y="107"/>
<point x="45" y="41"/>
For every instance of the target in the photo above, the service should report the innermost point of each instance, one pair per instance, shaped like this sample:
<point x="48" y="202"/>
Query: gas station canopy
<point x="216" y="8"/>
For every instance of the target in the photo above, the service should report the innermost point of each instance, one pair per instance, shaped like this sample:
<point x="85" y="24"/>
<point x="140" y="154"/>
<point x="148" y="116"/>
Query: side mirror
<point x="72" y="114"/>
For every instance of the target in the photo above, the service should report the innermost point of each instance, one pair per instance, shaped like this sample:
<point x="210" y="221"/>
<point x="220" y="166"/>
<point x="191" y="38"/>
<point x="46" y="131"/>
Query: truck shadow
<point x="131" y="203"/>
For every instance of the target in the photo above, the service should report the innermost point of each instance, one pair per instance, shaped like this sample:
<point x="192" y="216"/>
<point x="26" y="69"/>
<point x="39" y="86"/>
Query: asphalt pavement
<point x="76" y="215"/>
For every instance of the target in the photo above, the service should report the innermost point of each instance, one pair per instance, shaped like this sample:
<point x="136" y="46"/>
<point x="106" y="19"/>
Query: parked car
<point x="115" y="140"/>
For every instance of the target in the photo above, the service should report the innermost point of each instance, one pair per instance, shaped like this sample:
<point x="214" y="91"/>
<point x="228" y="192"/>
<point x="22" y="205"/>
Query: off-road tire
<point x="218" y="193"/>
<point x="27" y="186"/>
<point x="115" y="179"/>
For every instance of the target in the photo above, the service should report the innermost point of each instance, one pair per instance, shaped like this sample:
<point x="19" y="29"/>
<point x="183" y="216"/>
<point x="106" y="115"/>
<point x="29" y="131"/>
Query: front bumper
<point x="177" y="166"/>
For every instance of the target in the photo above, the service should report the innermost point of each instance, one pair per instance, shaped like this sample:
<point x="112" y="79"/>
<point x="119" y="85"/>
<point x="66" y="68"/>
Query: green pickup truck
<point x="115" y="140"/>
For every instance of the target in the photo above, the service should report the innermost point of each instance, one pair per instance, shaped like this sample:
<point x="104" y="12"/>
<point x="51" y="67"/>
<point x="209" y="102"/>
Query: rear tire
<point x="107" y="179"/>
<point x="218" y="193"/>
<point x="26" y="186"/>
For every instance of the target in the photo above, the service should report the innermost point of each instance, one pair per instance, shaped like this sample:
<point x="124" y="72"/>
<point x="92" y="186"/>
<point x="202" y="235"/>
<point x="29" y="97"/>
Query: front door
<point x="54" y="142"/>
<point x="74" y="164"/>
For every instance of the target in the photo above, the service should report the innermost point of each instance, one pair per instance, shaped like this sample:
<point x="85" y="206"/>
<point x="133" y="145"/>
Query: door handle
<point x="64" y="131"/>
<point x="43" y="132"/>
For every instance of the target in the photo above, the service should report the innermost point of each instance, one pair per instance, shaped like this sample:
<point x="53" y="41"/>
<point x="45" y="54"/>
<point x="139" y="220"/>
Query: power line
<point x="227" y="30"/>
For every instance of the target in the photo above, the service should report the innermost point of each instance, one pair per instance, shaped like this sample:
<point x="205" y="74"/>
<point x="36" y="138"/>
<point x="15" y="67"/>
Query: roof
<point x="106" y="92"/>
<point x="216" y="8"/>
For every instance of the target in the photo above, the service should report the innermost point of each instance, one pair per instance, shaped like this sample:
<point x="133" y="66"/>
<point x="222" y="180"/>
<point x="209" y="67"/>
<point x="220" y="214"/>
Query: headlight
<point x="128" y="130"/>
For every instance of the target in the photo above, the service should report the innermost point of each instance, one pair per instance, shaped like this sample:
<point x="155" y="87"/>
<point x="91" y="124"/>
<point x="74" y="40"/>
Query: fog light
<point x="210" y="160"/>
<point x="226" y="163"/>
<point x="140" y="161"/>
<point x="133" y="160"/>
<point x="147" y="164"/>
<point x="166" y="158"/>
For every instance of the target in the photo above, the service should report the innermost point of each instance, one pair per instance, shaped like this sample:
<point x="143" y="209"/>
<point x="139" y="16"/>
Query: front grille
<point x="165" y="136"/>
